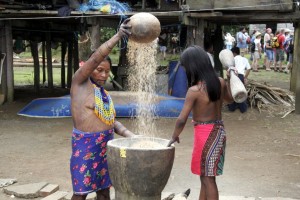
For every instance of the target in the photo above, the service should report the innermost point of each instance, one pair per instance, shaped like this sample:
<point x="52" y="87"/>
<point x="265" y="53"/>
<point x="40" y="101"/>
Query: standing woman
<point x="94" y="123"/>
<point x="204" y="99"/>
<point x="257" y="51"/>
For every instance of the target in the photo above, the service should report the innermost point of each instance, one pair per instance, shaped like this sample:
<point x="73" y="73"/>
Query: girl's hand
<point x="173" y="140"/>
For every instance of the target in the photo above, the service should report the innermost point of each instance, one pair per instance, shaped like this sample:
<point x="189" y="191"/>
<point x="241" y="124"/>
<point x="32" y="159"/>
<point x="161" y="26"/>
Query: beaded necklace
<point x="104" y="107"/>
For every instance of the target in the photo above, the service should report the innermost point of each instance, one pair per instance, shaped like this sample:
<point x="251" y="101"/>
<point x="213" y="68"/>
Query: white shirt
<point x="257" y="43"/>
<point x="266" y="38"/>
<point x="241" y="64"/>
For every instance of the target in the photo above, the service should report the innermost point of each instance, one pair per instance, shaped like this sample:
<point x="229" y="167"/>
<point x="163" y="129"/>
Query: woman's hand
<point x="124" y="29"/>
<point x="173" y="140"/>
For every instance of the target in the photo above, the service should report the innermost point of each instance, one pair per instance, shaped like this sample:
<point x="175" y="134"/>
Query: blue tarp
<point x="58" y="107"/>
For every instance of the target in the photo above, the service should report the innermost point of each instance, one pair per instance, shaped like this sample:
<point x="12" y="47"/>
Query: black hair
<point x="199" y="68"/>
<point x="207" y="45"/>
<point x="236" y="50"/>
<point x="107" y="58"/>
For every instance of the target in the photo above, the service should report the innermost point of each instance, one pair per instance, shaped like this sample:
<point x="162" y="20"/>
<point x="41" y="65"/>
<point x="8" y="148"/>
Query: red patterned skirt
<point x="209" y="148"/>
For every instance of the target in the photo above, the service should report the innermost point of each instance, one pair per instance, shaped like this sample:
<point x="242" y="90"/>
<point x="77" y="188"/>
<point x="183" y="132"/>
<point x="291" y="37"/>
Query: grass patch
<point x="25" y="75"/>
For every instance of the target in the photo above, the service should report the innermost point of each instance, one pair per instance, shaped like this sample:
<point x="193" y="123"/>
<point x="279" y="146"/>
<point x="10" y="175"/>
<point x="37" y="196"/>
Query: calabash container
<point x="145" y="27"/>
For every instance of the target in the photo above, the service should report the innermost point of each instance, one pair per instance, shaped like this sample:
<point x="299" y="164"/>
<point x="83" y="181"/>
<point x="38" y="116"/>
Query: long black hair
<point x="199" y="68"/>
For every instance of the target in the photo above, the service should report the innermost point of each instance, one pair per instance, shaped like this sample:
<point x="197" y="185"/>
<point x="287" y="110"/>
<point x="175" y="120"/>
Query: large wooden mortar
<point x="139" y="173"/>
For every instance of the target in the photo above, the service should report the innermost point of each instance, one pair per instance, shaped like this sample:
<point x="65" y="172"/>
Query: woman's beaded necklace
<point x="104" y="107"/>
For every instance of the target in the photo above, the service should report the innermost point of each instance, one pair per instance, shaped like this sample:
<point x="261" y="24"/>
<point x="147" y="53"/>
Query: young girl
<point x="204" y="98"/>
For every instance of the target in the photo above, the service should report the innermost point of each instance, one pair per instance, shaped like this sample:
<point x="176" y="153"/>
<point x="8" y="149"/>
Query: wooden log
<point x="296" y="67"/>
<point x="3" y="83"/>
<point x="44" y="60"/>
<point x="283" y="5"/>
<point x="218" y="46"/>
<point x="70" y="63"/>
<point x="196" y="33"/>
<point x="95" y="36"/>
<point x="63" y="67"/>
<point x="36" y="65"/>
<point x="75" y="54"/>
<point x="49" y="61"/>
<point x="9" y="62"/>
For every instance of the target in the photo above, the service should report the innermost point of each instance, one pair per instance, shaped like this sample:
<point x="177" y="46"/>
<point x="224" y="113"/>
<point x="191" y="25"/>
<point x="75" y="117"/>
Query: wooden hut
<point x="38" y="21"/>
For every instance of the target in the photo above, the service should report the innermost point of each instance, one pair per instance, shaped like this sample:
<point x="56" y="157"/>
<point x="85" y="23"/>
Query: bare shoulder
<point x="222" y="81"/>
<point x="193" y="89"/>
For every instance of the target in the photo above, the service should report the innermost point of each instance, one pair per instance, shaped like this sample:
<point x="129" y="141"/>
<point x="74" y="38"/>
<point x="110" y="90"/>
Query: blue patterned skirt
<point x="88" y="162"/>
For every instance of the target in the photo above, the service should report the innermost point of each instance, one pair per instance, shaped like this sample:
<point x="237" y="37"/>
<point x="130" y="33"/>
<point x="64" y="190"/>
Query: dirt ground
<point x="262" y="155"/>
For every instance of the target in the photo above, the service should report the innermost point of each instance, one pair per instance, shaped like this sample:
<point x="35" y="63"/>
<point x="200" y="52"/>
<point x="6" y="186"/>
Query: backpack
<point x="290" y="49"/>
<point x="248" y="40"/>
<point x="252" y="47"/>
<point x="274" y="42"/>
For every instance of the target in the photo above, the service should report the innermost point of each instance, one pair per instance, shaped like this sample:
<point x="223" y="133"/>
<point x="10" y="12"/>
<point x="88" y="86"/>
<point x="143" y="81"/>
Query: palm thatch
<point x="269" y="98"/>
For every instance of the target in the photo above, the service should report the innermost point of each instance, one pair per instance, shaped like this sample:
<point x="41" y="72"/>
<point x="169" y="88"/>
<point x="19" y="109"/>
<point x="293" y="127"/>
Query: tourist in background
<point x="269" y="53"/>
<point x="286" y="42"/>
<point x="229" y="41"/>
<point x="257" y="51"/>
<point x="252" y="49"/>
<point x="248" y="41"/>
<point x="163" y="41"/>
<point x="93" y="116"/>
<point x="243" y="68"/>
<point x="241" y="40"/>
<point x="204" y="99"/>
<point x="174" y="42"/>
<point x="266" y="39"/>
<point x="290" y="51"/>
<point x="279" y="51"/>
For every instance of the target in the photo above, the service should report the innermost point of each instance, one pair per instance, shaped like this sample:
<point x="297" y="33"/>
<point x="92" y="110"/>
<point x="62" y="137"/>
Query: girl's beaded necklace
<point x="104" y="107"/>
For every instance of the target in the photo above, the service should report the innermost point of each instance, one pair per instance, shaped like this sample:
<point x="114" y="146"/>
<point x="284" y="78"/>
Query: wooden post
<point x="9" y="62"/>
<point x="143" y="4"/>
<point x="296" y="67"/>
<point x="200" y="33"/>
<point x="70" y="64"/>
<point x="293" y="80"/>
<point x="120" y="72"/>
<point x="3" y="89"/>
<point x="95" y="36"/>
<point x="75" y="54"/>
<point x="218" y="47"/>
<point x="36" y="66"/>
<point x="49" y="60"/>
<point x="63" y="67"/>
<point x="44" y="60"/>
<point x="195" y="32"/>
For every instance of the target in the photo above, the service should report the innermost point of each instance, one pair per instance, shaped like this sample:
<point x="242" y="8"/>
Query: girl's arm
<point x="226" y="88"/>
<point x="184" y="114"/>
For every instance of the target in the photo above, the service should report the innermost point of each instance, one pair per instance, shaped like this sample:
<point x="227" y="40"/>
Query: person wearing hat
<point x="257" y="51"/>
